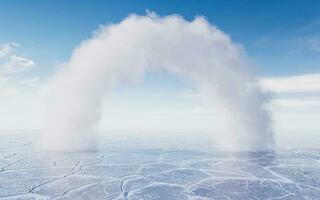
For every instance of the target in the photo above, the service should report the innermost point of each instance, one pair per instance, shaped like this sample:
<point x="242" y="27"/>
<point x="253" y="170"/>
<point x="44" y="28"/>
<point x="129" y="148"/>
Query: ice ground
<point x="134" y="167"/>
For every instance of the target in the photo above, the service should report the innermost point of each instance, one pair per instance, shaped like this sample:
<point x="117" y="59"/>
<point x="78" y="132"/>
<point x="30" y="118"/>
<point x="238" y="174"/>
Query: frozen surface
<point x="136" y="167"/>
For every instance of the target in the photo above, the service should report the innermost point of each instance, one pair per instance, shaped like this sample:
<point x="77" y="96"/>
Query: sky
<point x="281" y="39"/>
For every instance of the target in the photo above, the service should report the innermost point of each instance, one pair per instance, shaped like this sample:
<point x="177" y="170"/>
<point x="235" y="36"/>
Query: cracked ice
<point x="126" y="170"/>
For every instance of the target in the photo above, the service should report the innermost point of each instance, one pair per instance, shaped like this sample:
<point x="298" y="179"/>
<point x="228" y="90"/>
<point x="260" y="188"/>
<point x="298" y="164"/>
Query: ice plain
<point x="154" y="168"/>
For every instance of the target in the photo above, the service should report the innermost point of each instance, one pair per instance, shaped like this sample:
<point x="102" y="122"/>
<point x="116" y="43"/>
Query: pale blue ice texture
<point x="154" y="168"/>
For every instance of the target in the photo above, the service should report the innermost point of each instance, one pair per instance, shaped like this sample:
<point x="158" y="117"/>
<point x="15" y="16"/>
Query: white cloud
<point x="17" y="60"/>
<point x="297" y="106"/>
<point x="292" y="103"/>
<point x="11" y="63"/>
<point x="17" y="64"/>
<point x="292" y="84"/>
<point x="124" y="52"/>
<point x="12" y="66"/>
<point x="7" y="48"/>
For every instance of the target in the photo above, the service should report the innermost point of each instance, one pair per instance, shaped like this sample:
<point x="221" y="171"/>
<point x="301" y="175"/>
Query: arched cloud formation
<point x="124" y="52"/>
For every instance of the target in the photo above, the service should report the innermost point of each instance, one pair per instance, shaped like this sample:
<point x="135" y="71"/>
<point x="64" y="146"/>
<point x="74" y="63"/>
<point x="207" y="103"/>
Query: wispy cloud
<point x="292" y="84"/>
<point x="11" y="62"/>
<point x="309" y="36"/>
<point x="296" y="103"/>
<point x="17" y="64"/>
<point x="311" y="43"/>
<point x="315" y="24"/>
<point x="12" y="68"/>
<point x="7" y="48"/>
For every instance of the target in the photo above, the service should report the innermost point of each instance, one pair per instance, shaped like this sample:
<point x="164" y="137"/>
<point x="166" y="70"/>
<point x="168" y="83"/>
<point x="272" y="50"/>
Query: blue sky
<point x="282" y="38"/>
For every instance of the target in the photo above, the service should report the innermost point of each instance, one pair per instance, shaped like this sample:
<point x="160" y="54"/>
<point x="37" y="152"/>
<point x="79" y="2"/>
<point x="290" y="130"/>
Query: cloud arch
<point x="124" y="52"/>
